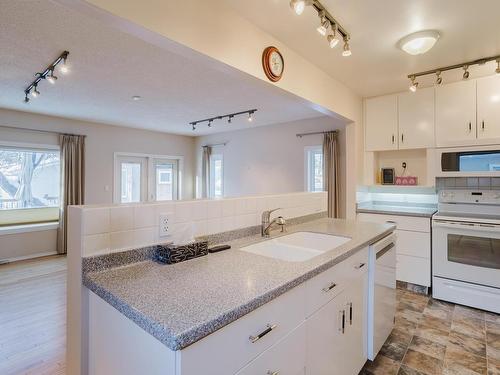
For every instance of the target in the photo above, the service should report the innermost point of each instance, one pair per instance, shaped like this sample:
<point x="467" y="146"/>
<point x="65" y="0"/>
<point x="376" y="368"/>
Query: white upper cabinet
<point x="488" y="109"/>
<point x="456" y="114"/>
<point x="381" y="123"/>
<point x="416" y="119"/>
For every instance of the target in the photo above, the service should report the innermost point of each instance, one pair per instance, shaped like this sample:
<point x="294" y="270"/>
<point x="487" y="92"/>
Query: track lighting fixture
<point x="229" y="117"/>
<point x="347" y="50"/>
<point x="327" y="22"/>
<point x="439" y="80"/>
<point x="47" y="74"/>
<point x="298" y="6"/>
<point x="332" y="37"/>
<point x="464" y="66"/>
<point x="414" y="84"/>
<point x="324" y="23"/>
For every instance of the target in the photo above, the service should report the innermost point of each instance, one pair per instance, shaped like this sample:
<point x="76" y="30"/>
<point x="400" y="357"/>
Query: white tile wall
<point x="116" y="228"/>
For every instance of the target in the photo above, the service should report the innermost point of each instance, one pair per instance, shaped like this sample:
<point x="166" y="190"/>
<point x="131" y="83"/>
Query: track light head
<point x="413" y="85"/>
<point x="347" y="49"/>
<point x="210" y="123"/>
<point x="324" y="23"/>
<point x="230" y="119"/>
<point x="34" y="92"/>
<point x="298" y="6"/>
<point x="497" y="71"/>
<point x="51" y="77"/>
<point x="332" y="38"/>
<point x="64" y="67"/>
<point x="194" y="126"/>
<point x="250" y="116"/>
<point x="26" y="98"/>
<point x="466" y="72"/>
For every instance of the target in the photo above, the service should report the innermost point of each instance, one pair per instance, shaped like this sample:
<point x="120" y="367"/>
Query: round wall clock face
<point x="273" y="63"/>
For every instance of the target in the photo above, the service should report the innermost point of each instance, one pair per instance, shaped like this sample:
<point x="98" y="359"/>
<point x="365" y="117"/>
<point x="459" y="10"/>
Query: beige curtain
<point x="331" y="172"/>
<point x="72" y="181"/>
<point x="205" y="171"/>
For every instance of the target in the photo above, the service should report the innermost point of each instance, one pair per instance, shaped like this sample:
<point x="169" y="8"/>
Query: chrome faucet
<point x="267" y="223"/>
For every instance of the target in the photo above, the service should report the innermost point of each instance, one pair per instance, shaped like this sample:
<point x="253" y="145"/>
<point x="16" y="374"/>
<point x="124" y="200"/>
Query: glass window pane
<point x="164" y="182"/>
<point x="315" y="169"/>
<point x="216" y="176"/>
<point x="474" y="251"/>
<point x="130" y="182"/>
<point x="29" y="179"/>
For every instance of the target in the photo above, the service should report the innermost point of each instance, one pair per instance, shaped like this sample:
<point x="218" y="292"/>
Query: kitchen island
<point x="233" y="311"/>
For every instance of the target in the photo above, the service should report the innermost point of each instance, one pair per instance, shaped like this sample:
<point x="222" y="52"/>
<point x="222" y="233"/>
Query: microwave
<point x="474" y="161"/>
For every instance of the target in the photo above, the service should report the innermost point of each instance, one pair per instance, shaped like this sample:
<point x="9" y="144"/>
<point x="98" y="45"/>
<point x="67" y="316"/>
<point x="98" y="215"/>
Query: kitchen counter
<point x="396" y="208"/>
<point x="180" y="304"/>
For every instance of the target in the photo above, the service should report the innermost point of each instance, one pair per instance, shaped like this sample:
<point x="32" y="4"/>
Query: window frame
<point x="148" y="192"/>
<point x="32" y="215"/>
<point x="309" y="175"/>
<point x="211" y="188"/>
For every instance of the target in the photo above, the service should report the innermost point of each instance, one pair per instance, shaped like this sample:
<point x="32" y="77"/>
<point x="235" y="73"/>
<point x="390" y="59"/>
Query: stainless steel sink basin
<point x="297" y="247"/>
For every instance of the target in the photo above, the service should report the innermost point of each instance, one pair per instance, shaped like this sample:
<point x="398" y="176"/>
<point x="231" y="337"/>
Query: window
<point x="314" y="168"/>
<point x="29" y="185"/>
<point x="146" y="178"/>
<point x="216" y="176"/>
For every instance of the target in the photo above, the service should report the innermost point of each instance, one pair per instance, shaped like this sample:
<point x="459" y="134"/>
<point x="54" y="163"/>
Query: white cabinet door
<point x="381" y="123"/>
<point x="416" y="119"/>
<point x="326" y="338"/>
<point x="488" y="109"/>
<point x="354" y="347"/>
<point x="456" y="114"/>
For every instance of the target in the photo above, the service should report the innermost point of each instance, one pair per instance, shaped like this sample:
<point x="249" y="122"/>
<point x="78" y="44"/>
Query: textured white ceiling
<point x="109" y="67"/>
<point x="469" y="29"/>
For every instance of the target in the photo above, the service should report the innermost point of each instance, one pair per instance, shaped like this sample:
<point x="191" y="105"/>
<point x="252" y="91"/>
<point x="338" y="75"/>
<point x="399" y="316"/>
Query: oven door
<point x="466" y="251"/>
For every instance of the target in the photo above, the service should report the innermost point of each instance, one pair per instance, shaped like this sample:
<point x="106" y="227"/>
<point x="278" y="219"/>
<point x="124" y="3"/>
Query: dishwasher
<point x="381" y="293"/>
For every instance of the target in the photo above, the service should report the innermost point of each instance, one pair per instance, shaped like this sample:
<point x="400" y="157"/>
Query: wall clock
<point x="273" y="63"/>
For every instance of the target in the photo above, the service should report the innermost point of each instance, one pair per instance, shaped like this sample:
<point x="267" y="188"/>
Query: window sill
<point x="25" y="228"/>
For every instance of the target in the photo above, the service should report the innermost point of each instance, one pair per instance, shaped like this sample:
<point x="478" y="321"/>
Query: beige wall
<point x="270" y="159"/>
<point x="101" y="143"/>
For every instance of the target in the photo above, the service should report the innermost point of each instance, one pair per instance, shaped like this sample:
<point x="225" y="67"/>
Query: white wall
<point x="101" y="143"/>
<point x="270" y="159"/>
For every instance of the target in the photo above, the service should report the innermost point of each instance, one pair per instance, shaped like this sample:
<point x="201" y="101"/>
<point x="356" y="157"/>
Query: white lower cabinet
<point x="336" y="334"/>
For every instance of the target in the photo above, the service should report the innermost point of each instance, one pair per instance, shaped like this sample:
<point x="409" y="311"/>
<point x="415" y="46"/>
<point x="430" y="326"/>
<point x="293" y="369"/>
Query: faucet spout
<point x="266" y="223"/>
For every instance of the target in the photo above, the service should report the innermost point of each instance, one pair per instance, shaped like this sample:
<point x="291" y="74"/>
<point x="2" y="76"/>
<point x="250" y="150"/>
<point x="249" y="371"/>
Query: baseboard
<point x="26" y="257"/>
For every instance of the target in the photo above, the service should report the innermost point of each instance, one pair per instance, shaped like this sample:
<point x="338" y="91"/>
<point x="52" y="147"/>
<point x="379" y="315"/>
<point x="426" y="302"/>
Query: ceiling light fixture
<point x="47" y="74"/>
<point x="327" y="21"/>
<point x="298" y="6"/>
<point x="229" y="117"/>
<point x="464" y="66"/>
<point x="413" y="85"/>
<point x="347" y="50"/>
<point x="420" y="42"/>
<point x="136" y="98"/>
<point x="439" y="80"/>
<point x="466" y="72"/>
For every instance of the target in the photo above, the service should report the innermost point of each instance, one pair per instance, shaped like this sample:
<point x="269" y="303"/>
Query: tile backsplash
<point x="118" y="227"/>
<point x="485" y="183"/>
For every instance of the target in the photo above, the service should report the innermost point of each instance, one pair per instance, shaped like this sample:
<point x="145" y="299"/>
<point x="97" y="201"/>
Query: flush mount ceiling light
<point x="47" y="74"/>
<point x="420" y="42"/>
<point x="229" y="117"/>
<point x="464" y="66"/>
<point x="328" y="26"/>
<point x="136" y="98"/>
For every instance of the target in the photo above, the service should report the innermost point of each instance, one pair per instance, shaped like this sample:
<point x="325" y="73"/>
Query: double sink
<point x="297" y="247"/>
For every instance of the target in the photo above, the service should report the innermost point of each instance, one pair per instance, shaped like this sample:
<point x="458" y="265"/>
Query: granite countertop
<point x="180" y="304"/>
<point x="397" y="208"/>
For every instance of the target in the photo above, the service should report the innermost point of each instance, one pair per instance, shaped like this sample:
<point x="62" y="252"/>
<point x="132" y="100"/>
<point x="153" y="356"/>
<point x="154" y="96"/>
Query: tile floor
<point x="433" y="337"/>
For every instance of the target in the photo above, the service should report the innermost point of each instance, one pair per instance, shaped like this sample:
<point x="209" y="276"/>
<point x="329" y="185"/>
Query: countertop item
<point x="397" y="208"/>
<point x="181" y="303"/>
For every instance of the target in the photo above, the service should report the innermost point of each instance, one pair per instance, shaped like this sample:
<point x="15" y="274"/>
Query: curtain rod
<point x="39" y="130"/>
<point x="216" y="144"/>
<point x="300" y="135"/>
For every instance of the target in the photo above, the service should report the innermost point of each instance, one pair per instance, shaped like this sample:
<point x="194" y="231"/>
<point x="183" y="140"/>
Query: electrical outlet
<point x="166" y="220"/>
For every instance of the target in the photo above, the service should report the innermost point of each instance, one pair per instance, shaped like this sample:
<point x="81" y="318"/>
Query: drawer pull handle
<point x="350" y="313"/>
<point x="273" y="372"/>
<point x="329" y="287"/>
<point x="343" y="321"/>
<point x="269" y="328"/>
<point x="359" y="266"/>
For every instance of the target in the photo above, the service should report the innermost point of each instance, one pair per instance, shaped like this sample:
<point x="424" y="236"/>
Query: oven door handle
<point x="471" y="226"/>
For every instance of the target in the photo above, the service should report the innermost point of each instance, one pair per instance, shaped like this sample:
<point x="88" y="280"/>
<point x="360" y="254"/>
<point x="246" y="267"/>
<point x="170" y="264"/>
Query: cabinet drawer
<point x="232" y="347"/>
<point x="416" y="244"/>
<point x="413" y="270"/>
<point x="328" y="284"/>
<point x="417" y="224"/>
<point x="285" y="357"/>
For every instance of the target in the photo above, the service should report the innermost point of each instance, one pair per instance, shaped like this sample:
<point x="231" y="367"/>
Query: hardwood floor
<point x="33" y="317"/>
